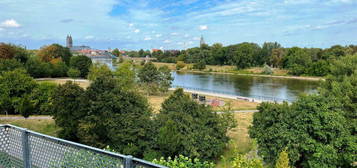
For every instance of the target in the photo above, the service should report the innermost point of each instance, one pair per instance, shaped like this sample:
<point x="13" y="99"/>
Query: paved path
<point x="30" y="118"/>
<point x="220" y="95"/>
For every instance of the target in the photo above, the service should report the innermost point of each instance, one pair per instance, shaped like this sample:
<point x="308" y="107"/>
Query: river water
<point x="244" y="85"/>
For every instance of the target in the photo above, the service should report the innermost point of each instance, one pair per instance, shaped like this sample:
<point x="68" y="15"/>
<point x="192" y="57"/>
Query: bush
<point x="180" y="65"/>
<point x="73" y="73"/>
<point x="59" y="69"/>
<point x="241" y="161"/>
<point x="267" y="70"/>
<point x="183" y="162"/>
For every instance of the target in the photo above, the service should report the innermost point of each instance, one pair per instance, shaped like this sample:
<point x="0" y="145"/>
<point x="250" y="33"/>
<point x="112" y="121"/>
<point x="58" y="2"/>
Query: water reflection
<point x="247" y="86"/>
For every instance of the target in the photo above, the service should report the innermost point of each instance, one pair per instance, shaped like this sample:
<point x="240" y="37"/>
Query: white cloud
<point x="174" y="34"/>
<point x="89" y="37"/>
<point x="196" y="38"/>
<point x="167" y="41"/>
<point x="161" y="48"/>
<point x="203" y="27"/>
<point x="137" y="30"/>
<point x="10" y="23"/>
<point x="180" y="43"/>
<point x="131" y="24"/>
<point x="147" y="38"/>
<point x="158" y="35"/>
<point x="190" y="42"/>
<point x="186" y="35"/>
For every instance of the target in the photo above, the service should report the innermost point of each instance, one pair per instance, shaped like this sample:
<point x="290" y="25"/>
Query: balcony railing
<point x="20" y="147"/>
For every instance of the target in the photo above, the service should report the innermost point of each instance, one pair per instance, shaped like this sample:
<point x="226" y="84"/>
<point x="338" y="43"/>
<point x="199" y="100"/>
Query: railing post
<point x="128" y="162"/>
<point x="26" y="149"/>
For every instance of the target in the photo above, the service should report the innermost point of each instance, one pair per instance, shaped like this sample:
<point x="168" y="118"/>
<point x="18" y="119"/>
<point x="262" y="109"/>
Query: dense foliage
<point x="54" y="53"/>
<point x="15" y="89"/>
<point x="116" y="117"/>
<point x="318" y="130"/>
<point x="155" y="80"/>
<point x="81" y="63"/>
<point x="188" y="128"/>
<point x="299" y="61"/>
<point x="98" y="70"/>
<point x="67" y="109"/>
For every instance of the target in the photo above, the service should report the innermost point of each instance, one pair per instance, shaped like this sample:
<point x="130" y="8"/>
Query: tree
<point x="59" y="69"/>
<point x="55" y="52"/>
<point x="25" y="107"/>
<point x="73" y="73"/>
<point x="97" y="70"/>
<point x="42" y="97"/>
<point x="116" y="117"/>
<point x="14" y="87"/>
<point x="9" y="65"/>
<point x="37" y="68"/>
<point x="283" y="160"/>
<point x="312" y="128"/>
<point x="200" y="65"/>
<point x="297" y="60"/>
<point x="8" y="51"/>
<point x="188" y="128"/>
<point x="266" y="52"/>
<point x="125" y="76"/>
<point x="116" y="52"/>
<point x="166" y="79"/>
<point x="141" y="53"/>
<point x="68" y="109"/>
<point x="245" y="55"/>
<point x="149" y="73"/>
<point x="276" y="59"/>
<point x="82" y="63"/>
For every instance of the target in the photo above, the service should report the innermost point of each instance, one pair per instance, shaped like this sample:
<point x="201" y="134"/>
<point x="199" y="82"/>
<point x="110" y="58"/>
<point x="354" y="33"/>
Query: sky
<point x="177" y="24"/>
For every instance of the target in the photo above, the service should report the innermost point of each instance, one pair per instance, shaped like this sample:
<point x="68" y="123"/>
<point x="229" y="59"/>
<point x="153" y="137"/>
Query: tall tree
<point x="116" y="117"/>
<point x="116" y="52"/>
<point x="14" y="87"/>
<point x="68" y="109"/>
<point x="55" y="52"/>
<point x="245" y="55"/>
<point x="125" y="74"/>
<point x="188" y="128"/>
<point x="82" y="63"/>
<point x="266" y="52"/>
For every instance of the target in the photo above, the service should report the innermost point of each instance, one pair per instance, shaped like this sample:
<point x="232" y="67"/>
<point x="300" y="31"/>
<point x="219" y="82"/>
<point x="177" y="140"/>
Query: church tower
<point x="202" y="41"/>
<point x="69" y="41"/>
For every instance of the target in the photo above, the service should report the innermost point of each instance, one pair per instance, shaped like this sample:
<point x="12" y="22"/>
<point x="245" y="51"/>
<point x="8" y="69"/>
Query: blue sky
<point x="175" y="24"/>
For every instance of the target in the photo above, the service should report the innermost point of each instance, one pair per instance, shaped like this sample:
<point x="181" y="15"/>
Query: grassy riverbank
<point x="225" y="69"/>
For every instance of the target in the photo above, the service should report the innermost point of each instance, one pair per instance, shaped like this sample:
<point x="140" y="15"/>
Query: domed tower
<point x="69" y="41"/>
<point x="202" y="41"/>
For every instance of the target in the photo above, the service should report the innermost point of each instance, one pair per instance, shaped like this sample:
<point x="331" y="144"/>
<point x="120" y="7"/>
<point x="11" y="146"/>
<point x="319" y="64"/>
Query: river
<point x="247" y="86"/>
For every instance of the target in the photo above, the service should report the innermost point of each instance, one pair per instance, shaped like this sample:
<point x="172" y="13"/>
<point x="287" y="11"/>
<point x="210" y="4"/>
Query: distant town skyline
<point x="171" y="24"/>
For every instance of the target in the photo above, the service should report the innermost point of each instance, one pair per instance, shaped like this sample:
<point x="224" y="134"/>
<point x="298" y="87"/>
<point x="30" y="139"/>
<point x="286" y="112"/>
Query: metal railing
<point x="256" y="97"/>
<point x="20" y="147"/>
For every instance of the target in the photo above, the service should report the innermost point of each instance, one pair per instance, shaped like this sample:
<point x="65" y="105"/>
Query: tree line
<point x="299" y="61"/>
<point x="50" y="61"/>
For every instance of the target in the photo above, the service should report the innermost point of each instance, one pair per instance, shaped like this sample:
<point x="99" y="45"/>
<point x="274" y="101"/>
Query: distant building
<point x="155" y="50"/>
<point x="202" y="41"/>
<point x="69" y="41"/>
<point x="69" y="44"/>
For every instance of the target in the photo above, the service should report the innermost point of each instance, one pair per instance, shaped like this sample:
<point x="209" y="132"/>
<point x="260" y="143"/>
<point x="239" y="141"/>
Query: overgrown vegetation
<point x="318" y="130"/>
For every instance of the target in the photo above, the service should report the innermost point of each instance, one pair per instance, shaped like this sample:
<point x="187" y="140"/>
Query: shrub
<point x="81" y="63"/>
<point x="183" y="162"/>
<point x="180" y="65"/>
<point x="267" y="70"/>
